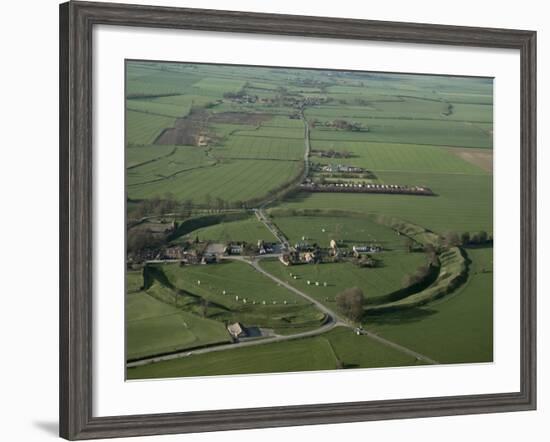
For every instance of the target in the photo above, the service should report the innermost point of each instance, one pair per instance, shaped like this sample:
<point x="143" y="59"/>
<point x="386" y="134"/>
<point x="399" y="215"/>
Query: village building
<point x="237" y="330"/>
<point x="233" y="249"/>
<point x="357" y="250"/>
<point x="174" y="252"/>
<point x="208" y="259"/>
<point x="308" y="257"/>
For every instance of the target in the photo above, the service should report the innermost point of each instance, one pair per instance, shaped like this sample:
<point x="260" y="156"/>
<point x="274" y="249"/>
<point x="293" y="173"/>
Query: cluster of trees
<point x="331" y="153"/>
<point x="466" y="238"/>
<point x="347" y="125"/>
<point x="140" y="240"/>
<point x="448" y="110"/>
<point x="450" y="239"/>
<point x="159" y="206"/>
<point x="350" y="302"/>
<point x="368" y="261"/>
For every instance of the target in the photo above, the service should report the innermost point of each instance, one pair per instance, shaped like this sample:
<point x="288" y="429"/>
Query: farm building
<point x="208" y="259"/>
<point x="366" y="249"/>
<point x="237" y="330"/>
<point x="174" y="252"/>
<point x="234" y="249"/>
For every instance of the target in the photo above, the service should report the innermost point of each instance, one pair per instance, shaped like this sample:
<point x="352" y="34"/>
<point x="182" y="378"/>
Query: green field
<point x="463" y="202"/>
<point x="258" y="147"/>
<point x="347" y="231"/>
<point x="249" y="230"/>
<point x="389" y="157"/>
<point x="230" y="180"/>
<point x="337" y="348"/>
<point x="456" y="330"/>
<point x="206" y="144"/>
<point x="156" y="327"/>
<point x="250" y="297"/>
<point x="339" y="276"/>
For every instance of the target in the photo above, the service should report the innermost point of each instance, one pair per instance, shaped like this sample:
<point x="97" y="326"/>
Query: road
<point x="279" y="338"/>
<point x="307" y="145"/>
<point x="260" y="214"/>
<point x="335" y="317"/>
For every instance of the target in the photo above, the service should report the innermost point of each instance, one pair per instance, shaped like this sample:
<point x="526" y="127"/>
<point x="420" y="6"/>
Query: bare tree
<point x="350" y="302"/>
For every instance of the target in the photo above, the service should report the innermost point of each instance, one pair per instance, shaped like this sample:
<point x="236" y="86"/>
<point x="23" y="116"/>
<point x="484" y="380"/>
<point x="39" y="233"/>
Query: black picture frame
<point x="77" y="20"/>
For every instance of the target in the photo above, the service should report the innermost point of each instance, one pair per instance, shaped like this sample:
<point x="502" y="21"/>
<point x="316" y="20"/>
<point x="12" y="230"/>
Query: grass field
<point x="162" y="168"/>
<point x="268" y="148"/>
<point x="250" y="297"/>
<point x="388" y="157"/>
<point x="337" y="348"/>
<point x="428" y="132"/>
<point x="456" y="330"/>
<point x="241" y="138"/>
<point x="463" y="202"/>
<point x="346" y="231"/>
<point x="374" y="282"/>
<point x="249" y="230"/>
<point x="300" y="355"/>
<point x="231" y="180"/>
<point x="155" y="327"/>
<point x="143" y="128"/>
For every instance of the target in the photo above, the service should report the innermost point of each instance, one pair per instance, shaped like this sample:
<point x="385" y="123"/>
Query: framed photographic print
<point x="272" y="220"/>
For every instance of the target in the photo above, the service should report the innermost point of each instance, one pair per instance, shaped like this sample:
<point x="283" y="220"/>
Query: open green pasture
<point x="298" y="355"/>
<point x="238" y="279"/>
<point x="178" y="160"/>
<point x="184" y="101"/>
<point x="139" y="155"/>
<point x="429" y="132"/>
<point x="231" y="180"/>
<point x="283" y="121"/>
<point x="458" y="329"/>
<point x="374" y="282"/>
<point x="338" y="348"/>
<point x="237" y="146"/>
<point x="218" y="85"/>
<point x="249" y="230"/>
<point x="463" y="202"/>
<point x="397" y="157"/>
<point x="155" y="327"/>
<point x="156" y="80"/>
<point x="246" y="290"/>
<point x="143" y="128"/>
<point x="296" y="133"/>
<point x="347" y="231"/>
<point x="157" y="108"/>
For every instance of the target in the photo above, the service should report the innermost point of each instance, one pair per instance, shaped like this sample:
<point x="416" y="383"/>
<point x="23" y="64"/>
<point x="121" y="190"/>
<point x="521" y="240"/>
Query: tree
<point x="409" y="244"/>
<point x="483" y="237"/>
<point x="187" y="208"/>
<point x="350" y="303"/>
<point x="452" y="239"/>
<point x="465" y="238"/>
<point x="220" y="203"/>
<point x="139" y="240"/>
<point x="204" y="307"/>
<point x="208" y="200"/>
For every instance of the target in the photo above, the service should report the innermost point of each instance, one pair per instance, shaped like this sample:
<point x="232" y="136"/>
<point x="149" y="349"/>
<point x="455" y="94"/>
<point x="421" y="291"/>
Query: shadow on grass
<point x="406" y="316"/>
